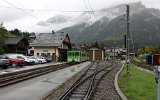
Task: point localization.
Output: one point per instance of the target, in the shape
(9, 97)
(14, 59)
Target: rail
(91, 87)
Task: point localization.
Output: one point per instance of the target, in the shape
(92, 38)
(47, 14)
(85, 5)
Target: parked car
(48, 59)
(21, 56)
(4, 63)
(40, 60)
(35, 61)
(14, 62)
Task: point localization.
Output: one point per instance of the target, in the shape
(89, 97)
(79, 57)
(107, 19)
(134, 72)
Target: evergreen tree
(96, 44)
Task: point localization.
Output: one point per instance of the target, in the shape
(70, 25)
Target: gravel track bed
(106, 89)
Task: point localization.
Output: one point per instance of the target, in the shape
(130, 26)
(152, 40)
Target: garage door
(98, 54)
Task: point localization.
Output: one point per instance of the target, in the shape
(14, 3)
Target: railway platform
(15, 69)
(36, 88)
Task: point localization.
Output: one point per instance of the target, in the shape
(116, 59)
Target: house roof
(13, 40)
(49, 39)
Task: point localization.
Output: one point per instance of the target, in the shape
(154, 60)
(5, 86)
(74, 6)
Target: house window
(37, 54)
(48, 54)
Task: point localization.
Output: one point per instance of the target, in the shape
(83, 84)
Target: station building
(54, 45)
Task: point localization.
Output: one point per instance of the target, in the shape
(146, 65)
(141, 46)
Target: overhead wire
(90, 6)
(25, 10)
(91, 28)
(93, 11)
(86, 4)
(19, 9)
(51, 10)
(45, 10)
(93, 15)
(132, 41)
(88, 12)
(26, 13)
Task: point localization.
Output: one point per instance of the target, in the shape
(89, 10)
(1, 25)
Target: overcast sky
(26, 20)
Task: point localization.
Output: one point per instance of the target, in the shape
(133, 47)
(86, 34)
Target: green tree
(102, 45)
(26, 35)
(3, 33)
(96, 44)
(16, 32)
(146, 50)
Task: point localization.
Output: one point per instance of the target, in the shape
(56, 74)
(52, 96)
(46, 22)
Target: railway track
(14, 77)
(85, 86)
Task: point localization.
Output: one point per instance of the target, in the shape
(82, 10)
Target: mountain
(88, 18)
(58, 19)
(108, 26)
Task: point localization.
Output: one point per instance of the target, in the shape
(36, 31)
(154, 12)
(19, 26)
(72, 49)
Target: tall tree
(102, 45)
(96, 44)
(16, 32)
(3, 33)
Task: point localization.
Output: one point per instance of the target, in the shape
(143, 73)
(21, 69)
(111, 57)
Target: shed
(95, 53)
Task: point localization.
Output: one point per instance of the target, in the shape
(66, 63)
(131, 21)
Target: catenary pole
(127, 40)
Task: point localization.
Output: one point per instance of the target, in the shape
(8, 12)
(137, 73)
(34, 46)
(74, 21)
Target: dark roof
(13, 40)
(49, 39)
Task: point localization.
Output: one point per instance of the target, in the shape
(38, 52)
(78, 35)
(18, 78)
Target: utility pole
(114, 49)
(127, 40)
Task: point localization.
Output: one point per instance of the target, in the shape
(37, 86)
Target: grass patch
(138, 59)
(139, 85)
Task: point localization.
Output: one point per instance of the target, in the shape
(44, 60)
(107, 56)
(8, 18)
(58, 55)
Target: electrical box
(153, 59)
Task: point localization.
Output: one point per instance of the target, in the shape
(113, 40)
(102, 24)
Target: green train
(77, 56)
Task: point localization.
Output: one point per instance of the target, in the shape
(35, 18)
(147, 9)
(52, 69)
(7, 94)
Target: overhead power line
(20, 9)
(45, 10)
(86, 5)
(91, 7)
(26, 13)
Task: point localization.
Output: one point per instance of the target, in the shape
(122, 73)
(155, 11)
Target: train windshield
(70, 53)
